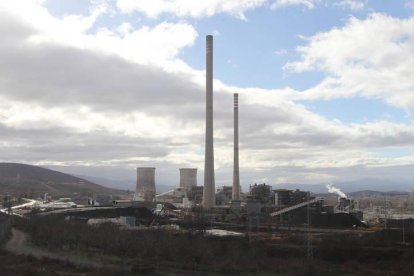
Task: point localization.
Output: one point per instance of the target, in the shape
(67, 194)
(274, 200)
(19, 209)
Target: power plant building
(145, 190)
(187, 194)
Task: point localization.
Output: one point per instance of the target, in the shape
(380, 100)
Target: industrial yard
(190, 250)
(267, 231)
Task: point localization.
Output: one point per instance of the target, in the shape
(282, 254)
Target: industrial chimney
(145, 190)
(209, 185)
(236, 176)
(188, 178)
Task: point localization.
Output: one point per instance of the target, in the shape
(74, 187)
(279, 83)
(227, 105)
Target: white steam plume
(335, 190)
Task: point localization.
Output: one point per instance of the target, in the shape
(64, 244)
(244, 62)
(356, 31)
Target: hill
(126, 184)
(33, 181)
(369, 193)
(368, 184)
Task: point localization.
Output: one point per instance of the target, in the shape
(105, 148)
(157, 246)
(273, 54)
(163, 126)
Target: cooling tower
(236, 176)
(188, 177)
(209, 185)
(145, 184)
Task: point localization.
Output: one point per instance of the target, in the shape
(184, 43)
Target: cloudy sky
(101, 87)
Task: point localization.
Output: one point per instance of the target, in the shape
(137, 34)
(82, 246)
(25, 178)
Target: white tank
(145, 190)
(188, 177)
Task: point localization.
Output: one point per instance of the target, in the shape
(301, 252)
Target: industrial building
(224, 195)
(187, 194)
(261, 193)
(285, 197)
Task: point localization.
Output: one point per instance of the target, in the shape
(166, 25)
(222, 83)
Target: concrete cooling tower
(188, 177)
(145, 190)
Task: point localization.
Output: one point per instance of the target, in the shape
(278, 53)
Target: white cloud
(372, 58)
(205, 8)
(32, 13)
(156, 45)
(148, 45)
(189, 8)
(232, 64)
(409, 4)
(280, 52)
(353, 5)
(216, 32)
(310, 4)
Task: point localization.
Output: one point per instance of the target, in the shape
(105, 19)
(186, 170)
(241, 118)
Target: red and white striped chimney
(236, 175)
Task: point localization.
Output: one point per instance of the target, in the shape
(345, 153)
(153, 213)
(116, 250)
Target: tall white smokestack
(145, 190)
(209, 183)
(236, 176)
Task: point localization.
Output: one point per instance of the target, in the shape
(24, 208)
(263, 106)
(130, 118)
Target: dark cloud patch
(64, 145)
(51, 75)
(61, 76)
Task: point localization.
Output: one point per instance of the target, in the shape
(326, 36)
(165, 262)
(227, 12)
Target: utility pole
(7, 203)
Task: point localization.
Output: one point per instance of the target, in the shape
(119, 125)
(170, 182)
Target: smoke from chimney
(332, 189)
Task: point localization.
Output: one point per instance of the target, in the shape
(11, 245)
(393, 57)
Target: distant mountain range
(368, 193)
(34, 181)
(125, 184)
(371, 186)
(362, 185)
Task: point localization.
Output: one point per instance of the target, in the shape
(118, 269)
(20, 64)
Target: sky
(98, 88)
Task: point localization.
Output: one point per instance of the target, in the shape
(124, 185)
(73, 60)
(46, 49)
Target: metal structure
(188, 177)
(145, 190)
(291, 208)
(209, 182)
(236, 175)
